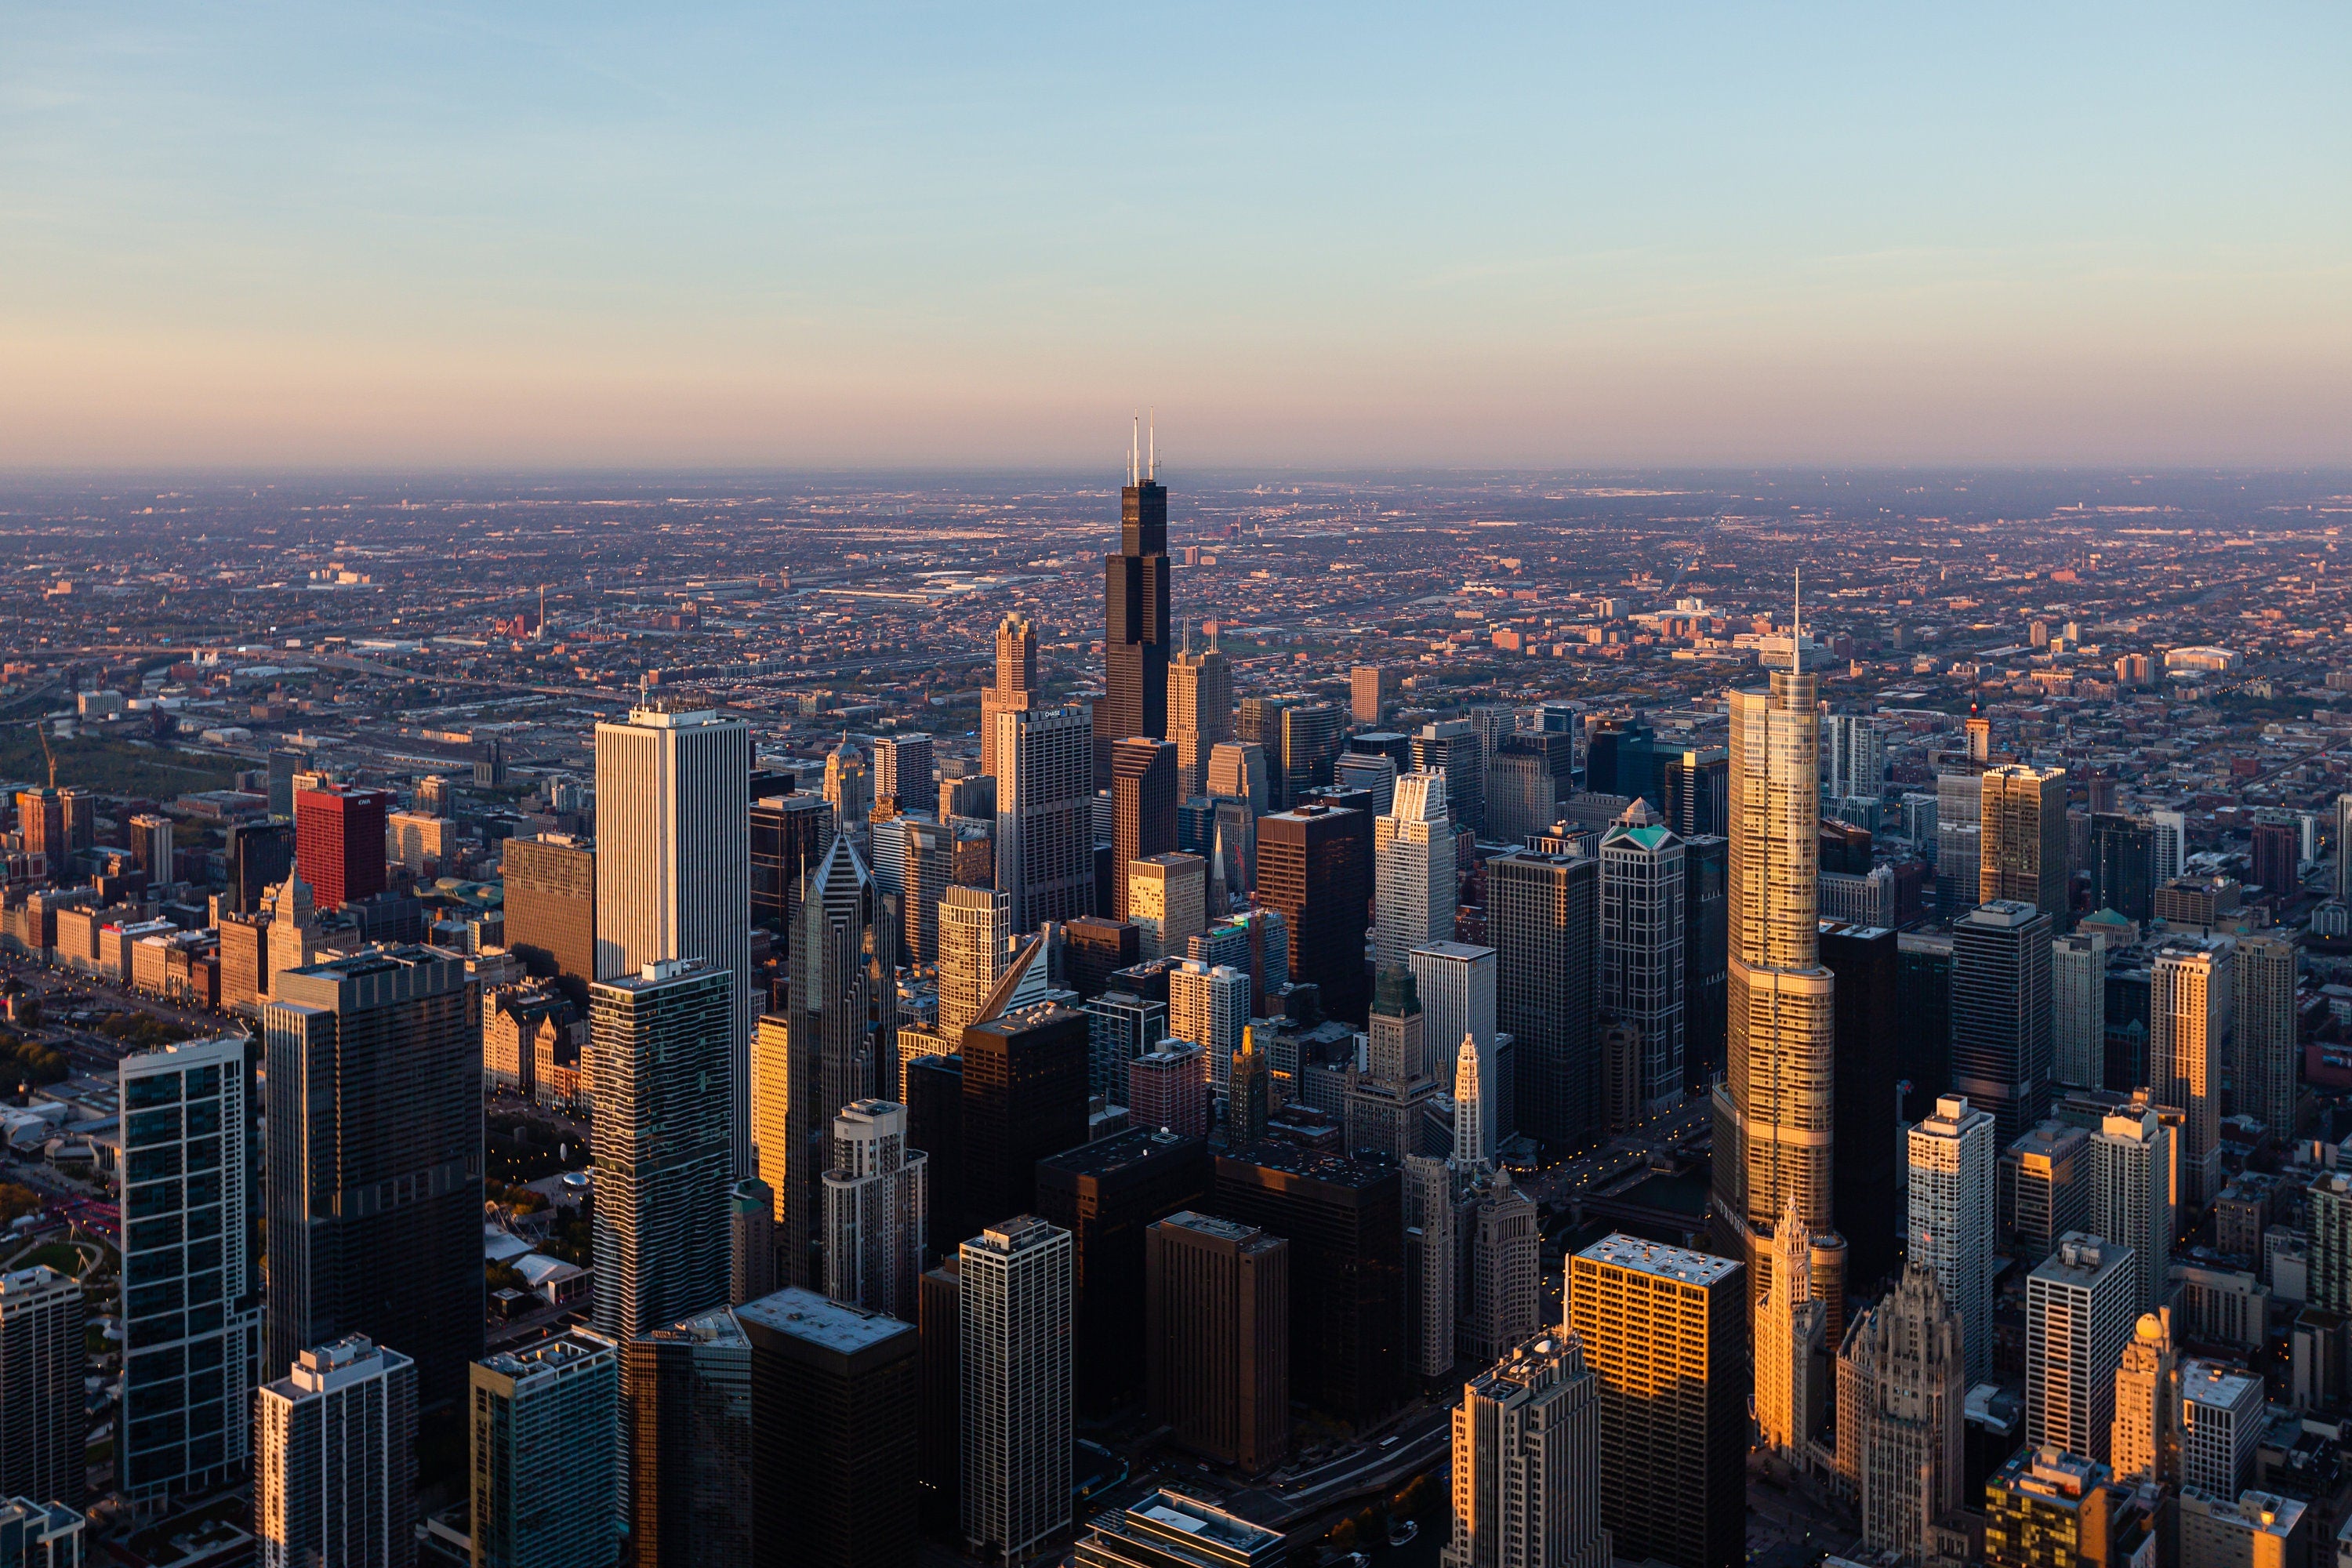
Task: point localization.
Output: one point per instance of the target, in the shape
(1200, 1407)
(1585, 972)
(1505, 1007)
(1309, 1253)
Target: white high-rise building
(2080, 1306)
(975, 928)
(902, 770)
(1951, 1178)
(1505, 1241)
(1853, 751)
(1413, 893)
(2192, 992)
(1209, 1007)
(1526, 1462)
(1044, 813)
(1789, 1328)
(673, 865)
(1474, 1143)
(1376, 773)
(2269, 1053)
(2131, 1196)
(1455, 981)
(2344, 848)
(2171, 844)
(334, 1469)
(1014, 1372)
(2078, 989)
(877, 1204)
(1642, 928)
(657, 1047)
(2222, 1412)
(185, 1112)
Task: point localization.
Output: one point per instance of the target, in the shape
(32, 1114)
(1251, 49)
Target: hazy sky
(525, 234)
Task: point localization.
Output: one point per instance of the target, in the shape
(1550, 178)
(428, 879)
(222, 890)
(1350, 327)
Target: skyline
(807, 240)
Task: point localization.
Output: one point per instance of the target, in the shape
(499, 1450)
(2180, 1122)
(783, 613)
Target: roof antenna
(1153, 472)
(1187, 624)
(1135, 453)
(1796, 627)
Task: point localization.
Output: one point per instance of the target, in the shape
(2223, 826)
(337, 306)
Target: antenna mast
(1153, 472)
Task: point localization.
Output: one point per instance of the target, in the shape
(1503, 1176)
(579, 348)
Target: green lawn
(112, 767)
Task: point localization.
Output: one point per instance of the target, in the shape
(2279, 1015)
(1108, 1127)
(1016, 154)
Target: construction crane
(41, 727)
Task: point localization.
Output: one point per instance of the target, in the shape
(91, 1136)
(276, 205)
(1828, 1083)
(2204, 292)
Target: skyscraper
(339, 842)
(1902, 1387)
(2222, 1413)
(2079, 1312)
(1216, 1335)
(1199, 712)
(673, 865)
(1951, 1217)
(1387, 1106)
(1024, 1097)
(1306, 756)
(789, 834)
(2147, 1402)
(187, 1253)
(550, 908)
(1168, 1088)
(1315, 868)
(902, 770)
(374, 1208)
(2078, 992)
(546, 1438)
(1015, 690)
(2123, 865)
(925, 875)
(1526, 1462)
(1641, 949)
(1453, 748)
(2001, 1011)
(43, 1423)
(975, 925)
(1345, 1223)
(1853, 751)
(1412, 858)
(334, 1472)
(1473, 1125)
(2268, 1047)
(1167, 901)
(1045, 828)
(689, 1432)
(2132, 1161)
(1789, 1329)
(1208, 1006)
(1106, 1194)
(1775, 1112)
(876, 1200)
(1369, 687)
(1238, 771)
(1457, 983)
(1015, 1357)
(1666, 1332)
(1144, 790)
(2023, 839)
(1503, 1305)
(2192, 994)
(1135, 619)
(659, 1043)
(1865, 1188)
(834, 1440)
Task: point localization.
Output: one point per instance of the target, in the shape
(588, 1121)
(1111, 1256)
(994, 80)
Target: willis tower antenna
(1135, 611)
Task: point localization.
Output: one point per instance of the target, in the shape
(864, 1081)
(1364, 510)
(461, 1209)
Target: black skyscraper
(2123, 865)
(1314, 865)
(1142, 808)
(1134, 624)
(1862, 1191)
(1106, 1194)
(1706, 955)
(1024, 1097)
(375, 1161)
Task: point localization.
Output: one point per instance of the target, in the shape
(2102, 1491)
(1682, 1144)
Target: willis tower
(1135, 617)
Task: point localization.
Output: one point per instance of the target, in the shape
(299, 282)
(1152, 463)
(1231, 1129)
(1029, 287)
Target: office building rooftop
(1651, 1257)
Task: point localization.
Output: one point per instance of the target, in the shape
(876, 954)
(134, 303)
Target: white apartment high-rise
(1902, 1392)
(2268, 1052)
(1853, 751)
(2192, 992)
(673, 865)
(1414, 896)
(658, 1054)
(902, 770)
(1014, 1375)
(1044, 813)
(1455, 981)
(43, 1356)
(2078, 991)
(975, 933)
(1773, 1111)
(2222, 1412)
(1642, 931)
(2171, 846)
(2132, 1162)
(1208, 1006)
(334, 1469)
(1526, 1462)
(1950, 1227)
(2147, 1402)
(2080, 1307)
(877, 1205)
(186, 1119)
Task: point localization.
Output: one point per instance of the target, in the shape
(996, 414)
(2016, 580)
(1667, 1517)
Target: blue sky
(531, 234)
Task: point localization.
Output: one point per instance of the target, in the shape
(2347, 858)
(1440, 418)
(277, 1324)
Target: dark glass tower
(1135, 622)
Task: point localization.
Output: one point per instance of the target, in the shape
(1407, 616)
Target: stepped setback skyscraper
(1135, 617)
